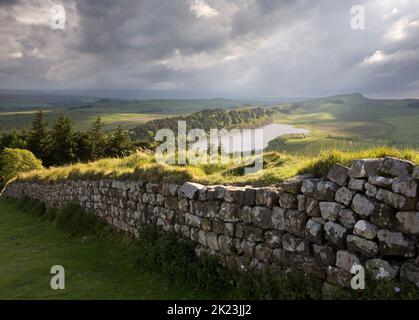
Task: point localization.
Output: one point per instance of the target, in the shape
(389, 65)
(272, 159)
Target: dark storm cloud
(267, 15)
(226, 48)
(8, 2)
(149, 27)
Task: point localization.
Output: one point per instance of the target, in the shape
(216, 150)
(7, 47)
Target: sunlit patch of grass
(321, 164)
(277, 167)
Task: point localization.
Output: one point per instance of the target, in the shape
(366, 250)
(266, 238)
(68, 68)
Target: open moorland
(17, 111)
(344, 122)
(352, 122)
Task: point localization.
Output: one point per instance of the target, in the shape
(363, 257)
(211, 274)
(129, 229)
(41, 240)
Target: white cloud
(400, 57)
(377, 57)
(393, 12)
(402, 28)
(16, 55)
(224, 47)
(203, 10)
(398, 30)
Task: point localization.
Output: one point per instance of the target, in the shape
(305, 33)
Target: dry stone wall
(367, 214)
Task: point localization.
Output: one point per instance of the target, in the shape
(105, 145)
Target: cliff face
(366, 215)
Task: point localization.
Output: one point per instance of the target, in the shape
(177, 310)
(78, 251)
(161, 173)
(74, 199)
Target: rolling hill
(353, 121)
(17, 109)
(346, 121)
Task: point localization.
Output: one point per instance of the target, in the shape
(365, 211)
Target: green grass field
(352, 122)
(82, 119)
(344, 122)
(114, 112)
(95, 268)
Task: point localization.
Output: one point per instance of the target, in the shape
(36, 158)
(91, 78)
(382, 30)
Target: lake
(270, 132)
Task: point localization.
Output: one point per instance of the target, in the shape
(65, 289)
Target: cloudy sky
(223, 48)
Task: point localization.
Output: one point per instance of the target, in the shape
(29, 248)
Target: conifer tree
(119, 143)
(39, 139)
(63, 141)
(97, 138)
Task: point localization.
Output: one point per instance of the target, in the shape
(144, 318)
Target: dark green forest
(59, 143)
(210, 119)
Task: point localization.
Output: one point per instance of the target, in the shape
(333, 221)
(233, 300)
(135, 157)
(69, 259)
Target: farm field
(352, 122)
(18, 112)
(344, 122)
(82, 119)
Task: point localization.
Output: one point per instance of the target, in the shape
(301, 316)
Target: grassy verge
(96, 267)
(277, 167)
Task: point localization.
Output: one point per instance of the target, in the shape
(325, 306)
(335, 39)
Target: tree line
(61, 144)
(210, 119)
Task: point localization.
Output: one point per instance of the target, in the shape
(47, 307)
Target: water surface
(270, 132)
